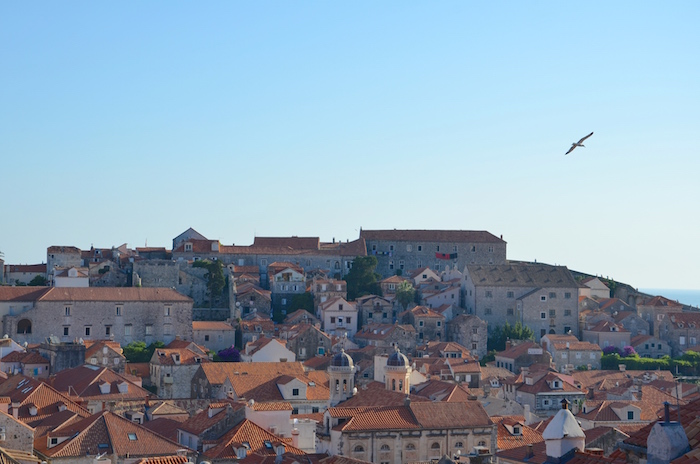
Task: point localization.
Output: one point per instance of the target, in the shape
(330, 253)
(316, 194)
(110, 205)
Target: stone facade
(306, 341)
(429, 325)
(388, 336)
(542, 297)
(469, 331)
(172, 371)
(121, 314)
(63, 256)
(179, 275)
(15, 434)
(648, 346)
(680, 330)
(413, 249)
(375, 309)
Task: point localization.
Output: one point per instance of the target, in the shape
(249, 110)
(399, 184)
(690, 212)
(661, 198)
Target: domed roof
(342, 359)
(397, 359)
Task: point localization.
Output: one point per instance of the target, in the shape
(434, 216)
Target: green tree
(303, 301)
(405, 293)
(499, 335)
(138, 352)
(37, 281)
(362, 278)
(216, 282)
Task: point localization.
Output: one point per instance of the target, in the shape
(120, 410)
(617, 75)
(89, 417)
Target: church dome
(342, 359)
(397, 359)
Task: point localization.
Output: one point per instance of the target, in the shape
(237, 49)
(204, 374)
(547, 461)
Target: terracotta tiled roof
(138, 369)
(211, 325)
(393, 280)
(467, 236)
(508, 439)
(271, 406)
(607, 326)
(375, 394)
(382, 331)
(437, 390)
(164, 460)
(543, 385)
(116, 294)
(576, 346)
(252, 434)
(518, 350)
(662, 302)
(591, 379)
(164, 426)
(31, 268)
(187, 357)
(46, 399)
(423, 311)
(318, 362)
(22, 293)
(685, 320)
(85, 382)
(516, 275)
(209, 417)
(119, 436)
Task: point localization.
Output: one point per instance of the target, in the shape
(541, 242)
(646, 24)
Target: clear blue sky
(132, 121)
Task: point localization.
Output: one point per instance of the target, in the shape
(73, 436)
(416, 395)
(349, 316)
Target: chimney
(295, 437)
(508, 344)
(530, 452)
(407, 401)
(15, 409)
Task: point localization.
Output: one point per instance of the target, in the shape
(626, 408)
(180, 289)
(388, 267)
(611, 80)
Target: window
(65, 331)
(385, 447)
(487, 311)
(420, 247)
(692, 341)
(295, 392)
(127, 330)
(391, 264)
(374, 247)
(475, 330)
(630, 415)
(545, 402)
(459, 444)
(681, 341)
(284, 301)
(67, 310)
(391, 247)
(149, 331)
(206, 337)
(167, 311)
(332, 319)
(438, 248)
(420, 323)
(435, 445)
(510, 294)
(454, 248)
(488, 294)
(567, 295)
(567, 312)
(118, 310)
(490, 249)
(340, 307)
(552, 313)
(132, 437)
(473, 249)
(510, 311)
(420, 335)
(401, 264)
(410, 447)
(188, 247)
(348, 319)
(359, 449)
(592, 355)
(167, 329)
(369, 315)
(482, 443)
(567, 329)
(439, 323)
(543, 297)
(108, 330)
(409, 247)
(263, 262)
(543, 315)
(543, 332)
(552, 295)
(384, 315)
(87, 331)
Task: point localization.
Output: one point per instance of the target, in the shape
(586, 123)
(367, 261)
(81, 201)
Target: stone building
(179, 275)
(15, 434)
(335, 258)
(375, 309)
(568, 352)
(388, 336)
(286, 281)
(401, 250)
(469, 331)
(325, 289)
(648, 346)
(172, 370)
(105, 353)
(339, 317)
(654, 311)
(214, 335)
(522, 355)
(429, 325)
(680, 330)
(121, 314)
(305, 340)
(539, 296)
(606, 334)
(18, 274)
(63, 257)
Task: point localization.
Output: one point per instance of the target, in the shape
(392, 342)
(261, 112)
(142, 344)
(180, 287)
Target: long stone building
(124, 314)
(403, 250)
(540, 296)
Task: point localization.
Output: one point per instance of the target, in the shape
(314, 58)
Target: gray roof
(451, 236)
(521, 275)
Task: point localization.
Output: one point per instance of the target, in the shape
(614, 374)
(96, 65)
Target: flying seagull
(578, 144)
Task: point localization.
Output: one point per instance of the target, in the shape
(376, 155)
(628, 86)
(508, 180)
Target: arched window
(435, 445)
(459, 444)
(24, 326)
(393, 384)
(410, 447)
(551, 331)
(359, 449)
(385, 447)
(337, 264)
(482, 443)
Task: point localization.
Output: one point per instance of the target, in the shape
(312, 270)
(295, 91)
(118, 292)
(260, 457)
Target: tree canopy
(405, 293)
(499, 335)
(37, 281)
(362, 278)
(138, 352)
(303, 301)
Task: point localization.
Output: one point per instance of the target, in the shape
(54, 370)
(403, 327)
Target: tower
(398, 372)
(341, 376)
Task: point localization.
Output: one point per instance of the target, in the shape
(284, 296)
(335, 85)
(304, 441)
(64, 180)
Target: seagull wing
(581, 141)
(571, 149)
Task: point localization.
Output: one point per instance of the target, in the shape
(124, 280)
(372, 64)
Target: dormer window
(188, 247)
(516, 430)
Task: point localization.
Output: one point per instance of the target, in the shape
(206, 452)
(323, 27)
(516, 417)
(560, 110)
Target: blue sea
(687, 297)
